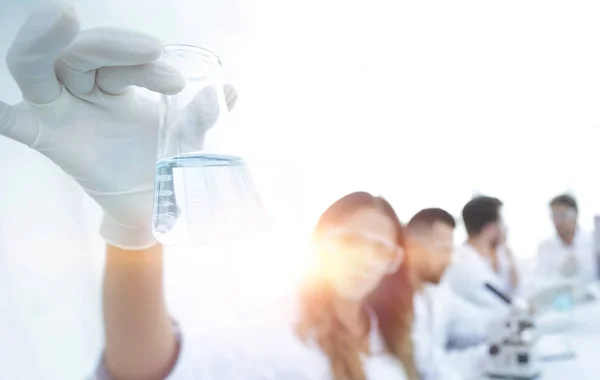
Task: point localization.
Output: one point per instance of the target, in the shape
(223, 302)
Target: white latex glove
(80, 110)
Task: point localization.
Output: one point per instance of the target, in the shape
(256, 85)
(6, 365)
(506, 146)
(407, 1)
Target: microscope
(512, 340)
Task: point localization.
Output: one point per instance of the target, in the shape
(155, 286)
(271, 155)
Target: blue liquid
(202, 199)
(563, 301)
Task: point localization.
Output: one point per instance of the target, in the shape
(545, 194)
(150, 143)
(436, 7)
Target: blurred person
(81, 110)
(480, 260)
(569, 254)
(445, 325)
(354, 312)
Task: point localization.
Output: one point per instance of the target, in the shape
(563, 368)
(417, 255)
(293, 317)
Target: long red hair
(391, 301)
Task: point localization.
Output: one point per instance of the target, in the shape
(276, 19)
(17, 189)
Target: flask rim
(193, 51)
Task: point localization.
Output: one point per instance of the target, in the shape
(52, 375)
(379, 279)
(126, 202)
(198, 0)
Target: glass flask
(202, 195)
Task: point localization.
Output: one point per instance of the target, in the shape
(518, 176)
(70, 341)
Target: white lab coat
(448, 334)
(505, 269)
(469, 272)
(265, 348)
(552, 253)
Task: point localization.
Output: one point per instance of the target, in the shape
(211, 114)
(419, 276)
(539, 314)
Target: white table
(584, 336)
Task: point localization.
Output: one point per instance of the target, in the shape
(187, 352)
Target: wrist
(127, 220)
(125, 237)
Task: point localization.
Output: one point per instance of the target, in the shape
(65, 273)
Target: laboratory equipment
(553, 294)
(512, 352)
(203, 195)
(512, 338)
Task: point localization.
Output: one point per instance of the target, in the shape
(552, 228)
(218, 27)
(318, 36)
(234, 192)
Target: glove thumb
(17, 123)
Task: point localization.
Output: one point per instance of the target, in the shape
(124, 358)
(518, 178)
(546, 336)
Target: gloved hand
(80, 110)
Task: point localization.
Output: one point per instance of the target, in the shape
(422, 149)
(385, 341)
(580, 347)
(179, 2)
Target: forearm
(140, 341)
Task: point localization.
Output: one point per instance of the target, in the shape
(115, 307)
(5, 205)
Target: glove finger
(202, 112)
(155, 76)
(103, 47)
(38, 44)
(190, 126)
(17, 124)
(231, 96)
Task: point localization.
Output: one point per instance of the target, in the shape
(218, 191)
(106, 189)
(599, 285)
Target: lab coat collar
(428, 289)
(376, 342)
(472, 252)
(576, 239)
(482, 259)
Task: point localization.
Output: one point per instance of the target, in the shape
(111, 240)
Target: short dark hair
(427, 217)
(479, 212)
(564, 200)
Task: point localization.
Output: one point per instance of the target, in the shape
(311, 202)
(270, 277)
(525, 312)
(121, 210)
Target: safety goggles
(359, 242)
(563, 216)
(443, 247)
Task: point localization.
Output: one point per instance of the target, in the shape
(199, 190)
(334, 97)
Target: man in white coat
(448, 333)
(568, 255)
(482, 259)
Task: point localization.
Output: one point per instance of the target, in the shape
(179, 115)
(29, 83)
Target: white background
(423, 102)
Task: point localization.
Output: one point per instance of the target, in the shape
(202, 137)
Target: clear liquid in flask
(202, 199)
